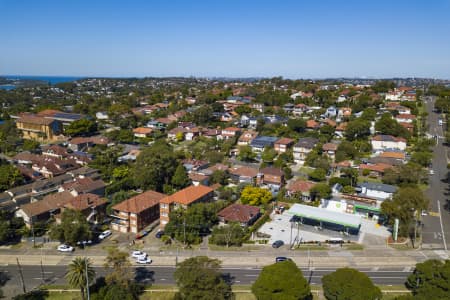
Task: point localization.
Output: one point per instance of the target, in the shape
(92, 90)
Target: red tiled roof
(140, 202)
(300, 186)
(238, 213)
(188, 195)
(84, 201)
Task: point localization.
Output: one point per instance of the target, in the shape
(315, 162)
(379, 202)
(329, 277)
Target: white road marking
(442, 227)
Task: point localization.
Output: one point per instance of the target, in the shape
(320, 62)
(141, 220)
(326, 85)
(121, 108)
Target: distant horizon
(11, 76)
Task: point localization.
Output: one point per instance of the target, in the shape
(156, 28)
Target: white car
(144, 260)
(65, 248)
(138, 254)
(431, 172)
(104, 234)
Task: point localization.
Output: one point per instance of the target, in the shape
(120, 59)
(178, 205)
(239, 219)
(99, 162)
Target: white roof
(322, 214)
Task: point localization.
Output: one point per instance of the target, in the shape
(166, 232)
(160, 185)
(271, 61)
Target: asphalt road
(436, 230)
(164, 275)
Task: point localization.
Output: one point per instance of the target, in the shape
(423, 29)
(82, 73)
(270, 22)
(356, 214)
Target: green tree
(246, 153)
(80, 270)
(318, 174)
(268, 155)
(349, 284)
(321, 191)
(30, 145)
(357, 129)
(422, 158)
(345, 151)
(81, 127)
(118, 266)
(297, 125)
(255, 196)
(282, 280)
(219, 176)
(10, 227)
(228, 235)
(406, 203)
(199, 278)
(430, 280)
(73, 228)
(388, 125)
(180, 178)
(9, 177)
(155, 166)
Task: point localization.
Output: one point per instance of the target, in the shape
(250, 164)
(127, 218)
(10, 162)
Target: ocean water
(50, 79)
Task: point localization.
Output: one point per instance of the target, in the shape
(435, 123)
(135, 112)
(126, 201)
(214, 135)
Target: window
(164, 214)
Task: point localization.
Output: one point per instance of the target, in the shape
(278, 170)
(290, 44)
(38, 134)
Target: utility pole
(87, 278)
(21, 276)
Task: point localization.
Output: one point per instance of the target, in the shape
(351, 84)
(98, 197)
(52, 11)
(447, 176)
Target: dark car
(282, 258)
(159, 234)
(277, 244)
(142, 234)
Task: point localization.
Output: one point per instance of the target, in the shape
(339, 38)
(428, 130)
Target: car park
(277, 244)
(144, 260)
(65, 248)
(104, 234)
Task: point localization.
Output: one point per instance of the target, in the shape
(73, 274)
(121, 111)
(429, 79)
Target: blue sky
(294, 39)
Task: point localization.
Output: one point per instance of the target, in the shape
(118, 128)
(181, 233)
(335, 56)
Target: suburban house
(243, 174)
(330, 149)
(283, 145)
(270, 176)
(245, 215)
(303, 147)
(247, 137)
(230, 132)
(84, 186)
(260, 142)
(136, 213)
(197, 178)
(377, 190)
(38, 128)
(300, 188)
(375, 170)
(405, 118)
(383, 142)
(41, 211)
(176, 133)
(299, 109)
(183, 199)
(93, 207)
(142, 132)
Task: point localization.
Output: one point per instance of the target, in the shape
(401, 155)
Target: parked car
(277, 244)
(159, 234)
(104, 234)
(137, 254)
(282, 258)
(431, 172)
(142, 234)
(84, 243)
(65, 248)
(144, 260)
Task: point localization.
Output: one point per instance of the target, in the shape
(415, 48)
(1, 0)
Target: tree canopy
(255, 196)
(73, 228)
(199, 278)
(282, 280)
(81, 127)
(430, 280)
(349, 284)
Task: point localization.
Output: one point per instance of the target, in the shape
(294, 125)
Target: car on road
(282, 258)
(144, 260)
(159, 234)
(104, 234)
(138, 254)
(277, 244)
(431, 172)
(65, 248)
(84, 243)
(424, 213)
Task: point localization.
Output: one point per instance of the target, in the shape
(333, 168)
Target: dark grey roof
(379, 187)
(263, 141)
(307, 142)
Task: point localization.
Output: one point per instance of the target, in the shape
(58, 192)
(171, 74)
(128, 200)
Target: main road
(436, 230)
(33, 276)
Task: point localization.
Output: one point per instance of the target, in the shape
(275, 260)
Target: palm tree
(76, 275)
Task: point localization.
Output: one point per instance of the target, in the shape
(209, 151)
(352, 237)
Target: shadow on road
(144, 275)
(228, 278)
